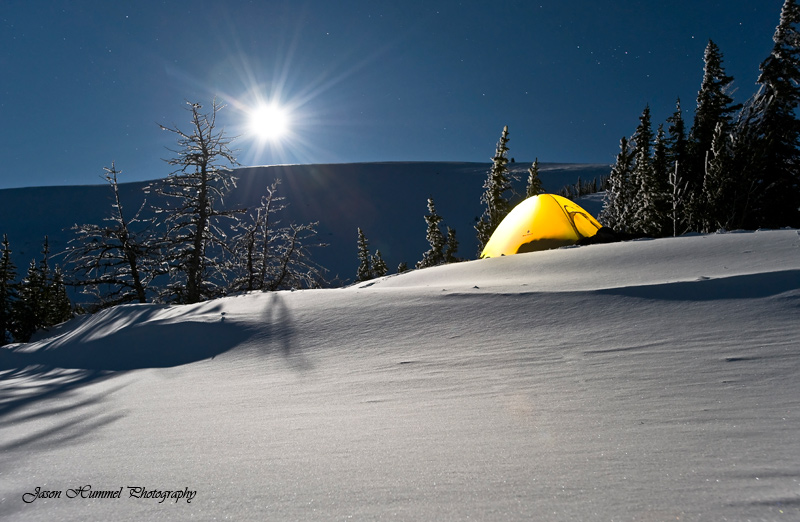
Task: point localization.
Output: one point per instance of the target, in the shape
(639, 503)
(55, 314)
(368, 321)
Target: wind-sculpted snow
(649, 380)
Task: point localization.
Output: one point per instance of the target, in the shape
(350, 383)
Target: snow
(646, 380)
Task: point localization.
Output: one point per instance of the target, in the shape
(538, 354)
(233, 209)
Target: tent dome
(540, 223)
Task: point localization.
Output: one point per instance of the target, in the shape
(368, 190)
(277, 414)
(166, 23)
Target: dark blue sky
(85, 83)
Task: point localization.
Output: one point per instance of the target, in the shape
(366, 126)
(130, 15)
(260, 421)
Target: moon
(269, 122)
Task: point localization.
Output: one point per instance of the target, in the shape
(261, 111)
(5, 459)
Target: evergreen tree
(195, 238)
(364, 272)
(676, 202)
(656, 210)
(402, 267)
(534, 186)
(8, 292)
(59, 308)
(42, 298)
(714, 105)
(641, 201)
(379, 268)
(29, 309)
(435, 255)
(676, 141)
(717, 208)
(451, 247)
(617, 202)
(769, 130)
(494, 196)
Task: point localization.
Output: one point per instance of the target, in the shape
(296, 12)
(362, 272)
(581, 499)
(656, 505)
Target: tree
(435, 255)
(42, 300)
(534, 186)
(718, 207)
(653, 190)
(676, 202)
(364, 272)
(402, 267)
(494, 196)
(8, 292)
(195, 238)
(451, 247)
(617, 201)
(115, 262)
(769, 130)
(292, 266)
(714, 106)
(676, 141)
(379, 268)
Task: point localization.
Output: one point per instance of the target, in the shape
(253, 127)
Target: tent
(540, 223)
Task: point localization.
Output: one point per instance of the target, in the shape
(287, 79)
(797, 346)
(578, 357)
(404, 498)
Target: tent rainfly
(540, 223)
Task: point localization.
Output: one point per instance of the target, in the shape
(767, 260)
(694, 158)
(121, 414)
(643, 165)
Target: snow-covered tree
(534, 185)
(364, 271)
(617, 203)
(676, 142)
(42, 299)
(435, 254)
(714, 105)
(676, 202)
(193, 193)
(451, 247)
(494, 197)
(768, 132)
(266, 256)
(379, 268)
(8, 292)
(115, 262)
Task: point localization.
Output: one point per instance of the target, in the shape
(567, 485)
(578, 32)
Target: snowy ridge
(647, 380)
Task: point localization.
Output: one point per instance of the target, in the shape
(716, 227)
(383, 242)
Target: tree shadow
(279, 330)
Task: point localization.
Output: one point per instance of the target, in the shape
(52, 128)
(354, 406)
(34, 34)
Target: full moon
(269, 122)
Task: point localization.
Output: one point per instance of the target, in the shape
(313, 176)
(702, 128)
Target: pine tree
(769, 130)
(193, 192)
(494, 196)
(534, 186)
(451, 247)
(718, 208)
(33, 309)
(435, 255)
(657, 209)
(379, 268)
(364, 272)
(59, 308)
(8, 292)
(676, 141)
(714, 105)
(617, 201)
(676, 201)
(641, 198)
(402, 267)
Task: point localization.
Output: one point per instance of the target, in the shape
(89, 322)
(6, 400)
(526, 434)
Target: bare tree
(195, 238)
(115, 262)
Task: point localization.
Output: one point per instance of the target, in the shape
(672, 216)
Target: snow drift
(647, 380)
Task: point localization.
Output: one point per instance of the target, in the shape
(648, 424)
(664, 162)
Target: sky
(87, 83)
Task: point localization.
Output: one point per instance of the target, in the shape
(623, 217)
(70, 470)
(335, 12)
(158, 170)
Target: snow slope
(647, 380)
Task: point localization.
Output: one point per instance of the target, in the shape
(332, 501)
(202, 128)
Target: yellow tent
(540, 223)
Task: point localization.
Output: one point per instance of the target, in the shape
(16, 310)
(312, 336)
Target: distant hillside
(387, 200)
